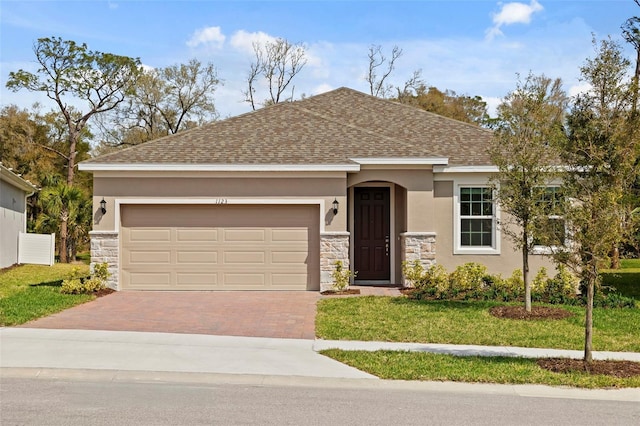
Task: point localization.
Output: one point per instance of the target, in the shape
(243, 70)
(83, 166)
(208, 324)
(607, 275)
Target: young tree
(71, 72)
(529, 124)
(601, 153)
(276, 63)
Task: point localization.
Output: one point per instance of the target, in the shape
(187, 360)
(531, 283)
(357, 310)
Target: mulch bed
(620, 369)
(537, 313)
(103, 292)
(341, 293)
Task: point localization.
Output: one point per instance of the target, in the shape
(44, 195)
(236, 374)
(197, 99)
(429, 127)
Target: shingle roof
(330, 128)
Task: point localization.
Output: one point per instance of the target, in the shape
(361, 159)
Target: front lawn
(398, 365)
(28, 292)
(625, 280)
(399, 319)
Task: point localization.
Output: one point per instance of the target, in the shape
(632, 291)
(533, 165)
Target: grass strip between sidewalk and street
(399, 319)
(402, 365)
(28, 292)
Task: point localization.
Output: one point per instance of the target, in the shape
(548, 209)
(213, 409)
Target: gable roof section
(329, 129)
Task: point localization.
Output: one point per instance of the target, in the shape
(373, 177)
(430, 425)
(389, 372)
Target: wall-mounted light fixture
(335, 206)
(103, 206)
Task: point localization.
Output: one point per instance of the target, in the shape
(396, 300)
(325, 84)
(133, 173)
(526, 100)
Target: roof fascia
(10, 177)
(409, 161)
(93, 167)
(465, 169)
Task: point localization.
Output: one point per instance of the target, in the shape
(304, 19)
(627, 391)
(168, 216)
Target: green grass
(625, 280)
(398, 319)
(28, 292)
(400, 365)
(630, 263)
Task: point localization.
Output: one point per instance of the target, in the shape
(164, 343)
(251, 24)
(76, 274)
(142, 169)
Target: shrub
(433, 281)
(341, 276)
(78, 285)
(467, 278)
(561, 289)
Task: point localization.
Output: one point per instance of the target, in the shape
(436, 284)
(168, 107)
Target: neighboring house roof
(15, 180)
(328, 129)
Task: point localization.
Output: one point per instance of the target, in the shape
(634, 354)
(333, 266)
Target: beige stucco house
(271, 199)
(13, 213)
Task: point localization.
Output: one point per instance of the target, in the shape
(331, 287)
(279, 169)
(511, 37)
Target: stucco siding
(504, 263)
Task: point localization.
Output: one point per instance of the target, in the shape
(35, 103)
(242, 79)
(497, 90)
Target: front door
(371, 233)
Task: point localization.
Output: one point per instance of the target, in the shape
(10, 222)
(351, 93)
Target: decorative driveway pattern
(279, 314)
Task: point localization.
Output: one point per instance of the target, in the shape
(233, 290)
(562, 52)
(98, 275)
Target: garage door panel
(193, 235)
(150, 280)
(203, 280)
(244, 257)
(245, 235)
(288, 235)
(138, 257)
(197, 257)
(150, 235)
(288, 257)
(244, 279)
(220, 247)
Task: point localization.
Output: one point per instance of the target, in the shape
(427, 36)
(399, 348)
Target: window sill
(477, 250)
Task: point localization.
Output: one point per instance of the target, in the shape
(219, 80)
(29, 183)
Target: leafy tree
(71, 72)
(469, 109)
(529, 125)
(276, 64)
(163, 102)
(601, 154)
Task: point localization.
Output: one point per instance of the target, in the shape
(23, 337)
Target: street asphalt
(115, 355)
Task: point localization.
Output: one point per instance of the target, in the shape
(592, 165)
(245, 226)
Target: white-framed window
(476, 219)
(555, 234)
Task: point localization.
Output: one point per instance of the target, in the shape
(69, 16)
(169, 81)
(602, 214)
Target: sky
(476, 48)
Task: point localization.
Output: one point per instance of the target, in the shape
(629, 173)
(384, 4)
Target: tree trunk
(525, 278)
(588, 324)
(63, 240)
(71, 161)
(615, 258)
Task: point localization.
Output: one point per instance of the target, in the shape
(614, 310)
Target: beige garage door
(220, 247)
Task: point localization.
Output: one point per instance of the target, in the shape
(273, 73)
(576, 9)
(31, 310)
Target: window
(554, 234)
(476, 221)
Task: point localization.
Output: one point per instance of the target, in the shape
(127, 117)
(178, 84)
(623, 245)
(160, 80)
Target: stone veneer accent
(418, 246)
(105, 248)
(333, 246)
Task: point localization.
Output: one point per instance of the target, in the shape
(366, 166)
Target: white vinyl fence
(36, 248)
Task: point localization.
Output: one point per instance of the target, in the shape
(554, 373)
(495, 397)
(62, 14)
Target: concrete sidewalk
(197, 358)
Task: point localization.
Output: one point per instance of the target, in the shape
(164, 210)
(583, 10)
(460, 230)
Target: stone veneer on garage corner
(418, 246)
(333, 246)
(105, 248)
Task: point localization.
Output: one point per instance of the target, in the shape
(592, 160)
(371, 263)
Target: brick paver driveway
(287, 314)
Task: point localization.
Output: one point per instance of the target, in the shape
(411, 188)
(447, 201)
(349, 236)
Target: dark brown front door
(371, 236)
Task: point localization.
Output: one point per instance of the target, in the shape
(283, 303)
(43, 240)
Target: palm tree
(62, 207)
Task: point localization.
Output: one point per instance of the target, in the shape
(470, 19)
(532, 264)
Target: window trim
(458, 248)
(548, 250)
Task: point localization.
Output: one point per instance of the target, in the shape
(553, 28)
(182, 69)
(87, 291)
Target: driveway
(281, 314)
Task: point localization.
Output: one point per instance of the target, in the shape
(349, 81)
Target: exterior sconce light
(335, 206)
(103, 206)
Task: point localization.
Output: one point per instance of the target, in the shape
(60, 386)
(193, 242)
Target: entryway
(371, 237)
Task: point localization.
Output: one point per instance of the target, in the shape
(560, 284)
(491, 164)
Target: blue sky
(471, 47)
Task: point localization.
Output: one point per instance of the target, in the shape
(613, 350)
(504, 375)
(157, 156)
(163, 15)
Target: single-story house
(272, 198)
(14, 192)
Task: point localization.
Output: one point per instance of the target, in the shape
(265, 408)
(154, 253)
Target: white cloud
(243, 40)
(322, 89)
(580, 88)
(112, 5)
(513, 13)
(210, 37)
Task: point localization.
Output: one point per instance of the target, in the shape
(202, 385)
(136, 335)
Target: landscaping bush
(561, 289)
(341, 276)
(76, 284)
(466, 278)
